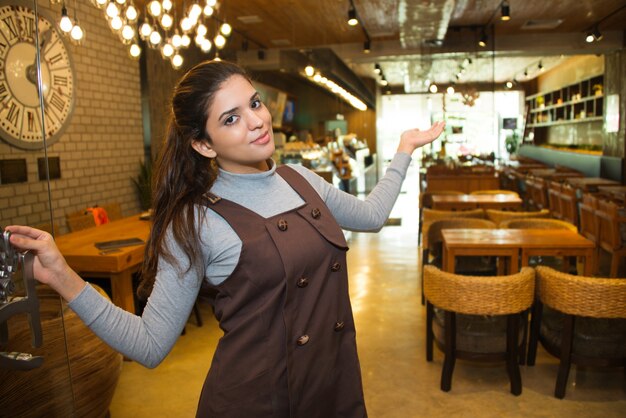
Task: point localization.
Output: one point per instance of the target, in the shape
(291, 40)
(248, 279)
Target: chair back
(592, 297)
(77, 221)
(538, 224)
(480, 295)
(554, 201)
(499, 216)
(537, 192)
(568, 203)
(589, 226)
(434, 231)
(431, 215)
(608, 219)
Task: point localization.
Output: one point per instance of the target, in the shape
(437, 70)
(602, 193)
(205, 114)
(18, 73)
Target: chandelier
(161, 28)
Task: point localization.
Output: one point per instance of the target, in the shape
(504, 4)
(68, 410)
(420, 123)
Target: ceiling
(420, 41)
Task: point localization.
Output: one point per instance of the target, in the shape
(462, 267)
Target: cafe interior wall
(100, 150)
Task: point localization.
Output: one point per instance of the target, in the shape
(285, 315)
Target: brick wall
(101, 149)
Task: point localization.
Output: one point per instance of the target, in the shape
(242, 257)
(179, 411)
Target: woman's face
(240, 128)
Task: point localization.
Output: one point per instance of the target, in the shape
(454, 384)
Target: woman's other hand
(414, 138)
(49, 266)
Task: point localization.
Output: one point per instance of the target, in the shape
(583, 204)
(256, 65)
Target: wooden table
(618, 192)
(517, 244)
(83, 257)
(484, 201)
(590, 184)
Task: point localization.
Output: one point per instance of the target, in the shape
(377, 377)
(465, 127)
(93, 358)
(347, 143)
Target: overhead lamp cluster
(505, 16)
(314, 75)
(70, 27)
(379, 72)
(161, 29)
(353, 20)
(593, 34)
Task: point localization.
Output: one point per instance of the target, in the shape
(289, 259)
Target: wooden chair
(610, 237)
(583, 322)
(77, 221)
(114, 211)
(568, 204)
(431, 215)
(537, 193)
(495, 191)
(499, 216)
(474, 309)
(426, 201)
(554, 201)
(589, 225)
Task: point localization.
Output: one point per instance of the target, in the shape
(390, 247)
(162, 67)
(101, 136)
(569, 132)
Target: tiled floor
(398, 382)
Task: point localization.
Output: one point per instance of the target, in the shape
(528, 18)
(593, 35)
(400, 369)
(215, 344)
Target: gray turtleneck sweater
(149, 338)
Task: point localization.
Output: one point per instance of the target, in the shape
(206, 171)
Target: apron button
(335, 267)
(303, 340)
(303, 282)
(315, 213)
(282, 224)
(339, 325)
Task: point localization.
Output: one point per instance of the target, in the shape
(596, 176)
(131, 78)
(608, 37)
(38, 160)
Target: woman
(266, 239)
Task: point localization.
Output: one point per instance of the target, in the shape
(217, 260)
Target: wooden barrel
(78, 382)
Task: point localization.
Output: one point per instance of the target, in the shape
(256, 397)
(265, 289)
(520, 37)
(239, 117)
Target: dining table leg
(122, 290)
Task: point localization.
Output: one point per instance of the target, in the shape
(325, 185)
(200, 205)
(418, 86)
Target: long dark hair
(182, 175)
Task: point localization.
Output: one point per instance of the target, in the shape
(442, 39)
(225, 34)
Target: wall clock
(20, 114)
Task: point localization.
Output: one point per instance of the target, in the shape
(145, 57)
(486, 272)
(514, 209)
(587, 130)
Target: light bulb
(450, 90)
(166, 21)
(198, 39)
(226, 29)
(195, 10)
(211, 3)
(309, 71)
(201, 30)
(120, 2)
(185, 40)
(186, 24)
(131, 13)
(219, 41)
(116, 23)
(145, 30)
(177, 40)
(155, 37)
(217, 58)
(128, 32)
(433, 88)
(101, 3)
(177, 61)
(154, 8)
(112, 9)
(66, 24)
(166, 5)
(135, 50)
(167, 50)
(77, 32)
(206, 45)
(208, 10)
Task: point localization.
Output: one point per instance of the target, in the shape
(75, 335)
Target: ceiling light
(377, 68)
(450, 90)
(505, 11)
(589, 37)
(366, 47)
(77, 32)
(226, 29)
(309, 71)
(66, 23)
(433, 88)
(483, 39)
(131, 13)
(134, 50)
(154, 8)
(177, 61)
(352, 20)
(509, 84)
(597, 36)
(112, 9)
(219, 41)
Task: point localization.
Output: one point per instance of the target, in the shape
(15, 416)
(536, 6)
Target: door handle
(10, 262)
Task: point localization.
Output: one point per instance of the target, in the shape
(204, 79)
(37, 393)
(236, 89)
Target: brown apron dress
(289, 347)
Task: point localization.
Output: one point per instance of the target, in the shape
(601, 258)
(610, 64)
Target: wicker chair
(430, 215)
(499, 216)
(583, 322)
(495, 191)
(426, 201)
(474, 325)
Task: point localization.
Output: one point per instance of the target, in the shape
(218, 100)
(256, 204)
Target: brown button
(339, 325)
(335, 267)
(315, 213)
(303, 282)
(282, 224)
(303, 340)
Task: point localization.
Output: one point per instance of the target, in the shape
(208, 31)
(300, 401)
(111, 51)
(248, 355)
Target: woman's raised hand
(49, 266)
(414, 138)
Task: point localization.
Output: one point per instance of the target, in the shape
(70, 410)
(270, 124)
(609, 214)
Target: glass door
(35, 369)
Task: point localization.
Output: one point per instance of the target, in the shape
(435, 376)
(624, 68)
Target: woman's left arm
(370, 214)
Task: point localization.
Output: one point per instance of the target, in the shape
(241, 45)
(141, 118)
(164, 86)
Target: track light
(433, 88)
(352, 20)
(366, 46)
(540, 66)
(505, 11)
(509, 84)
(597, 36)
(377, 68)
(483, 40)
(589, 37)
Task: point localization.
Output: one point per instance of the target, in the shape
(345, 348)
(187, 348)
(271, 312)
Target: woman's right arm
(146, 339)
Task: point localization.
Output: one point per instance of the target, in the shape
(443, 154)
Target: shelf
(565, 122)
(572, 102)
